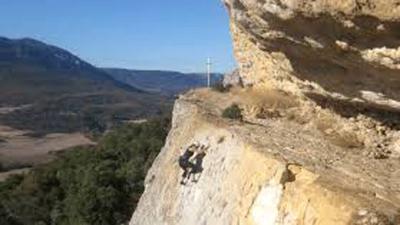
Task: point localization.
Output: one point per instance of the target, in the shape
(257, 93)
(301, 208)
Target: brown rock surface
(329, 47)
(275, 170)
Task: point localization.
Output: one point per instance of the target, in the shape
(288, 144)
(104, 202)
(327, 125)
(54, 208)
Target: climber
(198, 162)
(185, 164)
(197, 166)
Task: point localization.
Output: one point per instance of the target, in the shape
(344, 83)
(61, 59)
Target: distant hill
(64, 92)
(30, 69)
(162, 82)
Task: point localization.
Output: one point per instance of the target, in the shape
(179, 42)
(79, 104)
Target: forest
(86, 185)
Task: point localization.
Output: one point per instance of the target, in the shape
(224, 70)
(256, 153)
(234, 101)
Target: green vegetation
(91, 113)
(88, 185)
(233, 112)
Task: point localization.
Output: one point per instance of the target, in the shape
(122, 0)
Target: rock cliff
(319, 142)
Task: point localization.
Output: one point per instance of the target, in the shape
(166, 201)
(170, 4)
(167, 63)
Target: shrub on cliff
(233, 112)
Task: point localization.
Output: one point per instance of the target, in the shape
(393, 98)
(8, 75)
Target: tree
(86, 185)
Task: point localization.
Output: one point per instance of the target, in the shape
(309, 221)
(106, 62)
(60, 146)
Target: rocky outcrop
(335, 47)
(232, 79)
(273, 170)
(319, 140)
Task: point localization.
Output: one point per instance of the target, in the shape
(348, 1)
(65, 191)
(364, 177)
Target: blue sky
(140, 34)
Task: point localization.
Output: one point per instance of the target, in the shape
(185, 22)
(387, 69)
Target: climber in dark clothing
(197, 166)
(185, 164)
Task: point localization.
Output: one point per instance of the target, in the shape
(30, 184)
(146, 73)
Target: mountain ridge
(162, 82)
(37, 53)
(64, 91)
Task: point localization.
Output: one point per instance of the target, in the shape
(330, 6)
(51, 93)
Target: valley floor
(19, 151)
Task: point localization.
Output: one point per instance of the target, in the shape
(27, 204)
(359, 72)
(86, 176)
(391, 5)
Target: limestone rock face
(232, 79)
(329, 47)
(319, 142)
(277, 172)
